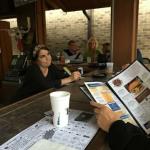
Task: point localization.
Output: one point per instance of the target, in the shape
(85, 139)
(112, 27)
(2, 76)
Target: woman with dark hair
(42, 74)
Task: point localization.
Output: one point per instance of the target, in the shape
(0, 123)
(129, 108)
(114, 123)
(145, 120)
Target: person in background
(104, 56)
(121, 135)
(92, 50)
(106, 50)
(139, 55)
(73, 52)
(43, 74)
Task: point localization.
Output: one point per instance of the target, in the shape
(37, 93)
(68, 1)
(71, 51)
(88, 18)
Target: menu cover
(127, 93)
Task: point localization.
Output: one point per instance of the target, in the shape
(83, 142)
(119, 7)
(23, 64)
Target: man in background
(105, 56)
(139, 55)
(73, 52)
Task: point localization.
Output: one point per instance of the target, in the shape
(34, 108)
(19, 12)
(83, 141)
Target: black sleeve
(125, 136)
(55, 76)
(59, 74)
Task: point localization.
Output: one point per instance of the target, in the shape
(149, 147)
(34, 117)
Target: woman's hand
(105, 116)
(75, 76)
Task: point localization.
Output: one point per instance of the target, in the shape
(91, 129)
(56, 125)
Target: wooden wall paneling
(6, 48)
(1, 62)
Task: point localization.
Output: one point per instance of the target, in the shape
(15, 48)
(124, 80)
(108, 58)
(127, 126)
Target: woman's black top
(34, 81)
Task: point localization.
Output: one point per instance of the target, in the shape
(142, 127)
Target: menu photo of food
(137, 88)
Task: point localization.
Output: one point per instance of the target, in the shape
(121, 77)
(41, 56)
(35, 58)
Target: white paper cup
(110, 67)
(60, 106)
(67, 61)
(88, 59)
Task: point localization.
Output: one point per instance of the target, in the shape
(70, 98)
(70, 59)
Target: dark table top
(18, 116)
(87, 67)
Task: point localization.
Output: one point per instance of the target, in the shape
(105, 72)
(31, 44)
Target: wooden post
(90, 23)
(40, 22)
(5, 48)
(124, 31)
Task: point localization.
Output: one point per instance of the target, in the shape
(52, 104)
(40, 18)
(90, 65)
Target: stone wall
(102, 25)
(62, 27)
(143, 38)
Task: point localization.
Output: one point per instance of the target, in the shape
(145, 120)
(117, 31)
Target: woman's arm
(61, 78)
(74, 77)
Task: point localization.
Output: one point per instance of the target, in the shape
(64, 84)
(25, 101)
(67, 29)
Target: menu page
(103, 95)
(133, 87)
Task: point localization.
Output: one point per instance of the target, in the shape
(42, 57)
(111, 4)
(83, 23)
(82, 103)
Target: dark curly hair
(37, 50)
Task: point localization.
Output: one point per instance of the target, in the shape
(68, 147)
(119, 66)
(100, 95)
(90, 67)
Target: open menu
(127, 93)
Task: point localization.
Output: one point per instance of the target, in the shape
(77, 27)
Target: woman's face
(44, 58)
(92, 44)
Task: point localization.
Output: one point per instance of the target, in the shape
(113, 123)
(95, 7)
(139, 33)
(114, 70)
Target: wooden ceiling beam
(56, 4)
(75, 5)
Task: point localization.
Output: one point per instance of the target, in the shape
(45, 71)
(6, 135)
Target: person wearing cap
(121, 135)
(43, 74)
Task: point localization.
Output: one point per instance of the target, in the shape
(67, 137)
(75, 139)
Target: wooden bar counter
(20, 115)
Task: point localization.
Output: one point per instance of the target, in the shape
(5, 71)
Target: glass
(58, 57)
